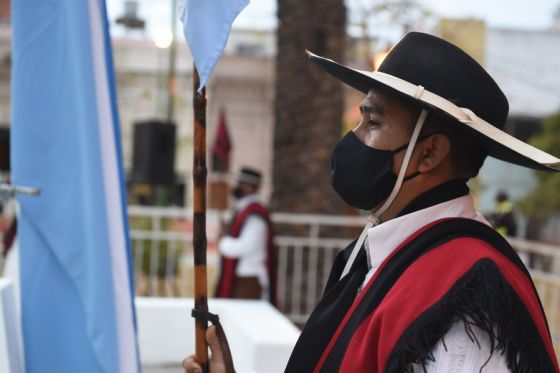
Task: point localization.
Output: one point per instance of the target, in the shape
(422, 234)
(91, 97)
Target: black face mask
(361, 175)
(237, 193)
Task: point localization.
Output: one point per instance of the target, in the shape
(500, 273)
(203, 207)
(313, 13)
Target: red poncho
(450, 270)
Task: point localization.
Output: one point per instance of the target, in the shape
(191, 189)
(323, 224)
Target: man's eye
(372, 123)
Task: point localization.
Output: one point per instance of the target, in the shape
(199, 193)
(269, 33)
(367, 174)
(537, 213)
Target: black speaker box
(153, 158)
(4, 149)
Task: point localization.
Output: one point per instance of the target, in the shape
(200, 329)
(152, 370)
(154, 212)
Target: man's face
(387, 122)
(245, 188)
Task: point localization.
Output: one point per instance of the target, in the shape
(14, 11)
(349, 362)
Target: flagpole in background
(199, 219)
(171, 84)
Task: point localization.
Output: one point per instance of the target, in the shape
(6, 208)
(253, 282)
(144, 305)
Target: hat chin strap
(404, 166)
(374, 217)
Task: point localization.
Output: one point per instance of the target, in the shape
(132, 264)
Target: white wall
(261, 338)
(11, 356)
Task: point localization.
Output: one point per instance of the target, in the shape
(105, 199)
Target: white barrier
(11, 356)
(261, 338)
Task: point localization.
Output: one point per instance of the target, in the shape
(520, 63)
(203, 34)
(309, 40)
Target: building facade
(524, 63)
(241, 85)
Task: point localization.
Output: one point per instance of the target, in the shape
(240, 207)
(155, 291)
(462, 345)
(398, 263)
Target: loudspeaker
(153, 158)
(4, 149)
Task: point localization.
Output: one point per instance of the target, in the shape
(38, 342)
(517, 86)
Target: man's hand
(216, 360)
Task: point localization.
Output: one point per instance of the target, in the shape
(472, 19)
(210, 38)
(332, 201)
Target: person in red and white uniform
(428, 286)
(247, 258)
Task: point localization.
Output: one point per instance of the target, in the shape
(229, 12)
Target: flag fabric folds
(77, 296)
(222, 146)
(206, 25)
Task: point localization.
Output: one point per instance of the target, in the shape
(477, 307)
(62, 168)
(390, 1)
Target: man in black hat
(246, 266)
(428, 285)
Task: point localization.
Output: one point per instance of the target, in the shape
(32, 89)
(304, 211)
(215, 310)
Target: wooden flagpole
(199, 219)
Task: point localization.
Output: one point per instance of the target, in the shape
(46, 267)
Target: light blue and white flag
(206, 24)
(77, 296)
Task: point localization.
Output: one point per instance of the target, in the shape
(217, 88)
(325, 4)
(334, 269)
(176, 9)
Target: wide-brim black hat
(442, 78)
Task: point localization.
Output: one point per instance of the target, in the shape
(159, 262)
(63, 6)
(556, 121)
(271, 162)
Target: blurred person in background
(10, 251)
(247, 269)
(503, 216)
(428, 286)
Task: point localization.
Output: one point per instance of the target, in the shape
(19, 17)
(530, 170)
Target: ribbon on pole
(206, 25)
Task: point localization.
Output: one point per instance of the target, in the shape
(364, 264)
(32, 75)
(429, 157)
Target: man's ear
(434, 151)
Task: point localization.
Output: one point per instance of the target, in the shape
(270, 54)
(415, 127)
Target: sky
(525, 14)
(519, 14)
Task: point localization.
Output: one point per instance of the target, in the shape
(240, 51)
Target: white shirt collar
(384, 238)
(246, 201)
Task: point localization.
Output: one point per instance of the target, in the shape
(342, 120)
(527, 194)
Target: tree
(544, 200)
(399, 14)
(308, 105)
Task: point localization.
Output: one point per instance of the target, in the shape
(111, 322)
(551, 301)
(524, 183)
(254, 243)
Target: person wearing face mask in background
(247, 270)
(428, 286)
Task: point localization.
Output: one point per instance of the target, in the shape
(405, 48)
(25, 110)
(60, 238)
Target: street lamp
(130, 19)
(163, 37)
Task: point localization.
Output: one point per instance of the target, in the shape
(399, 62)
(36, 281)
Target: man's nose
(361, 132)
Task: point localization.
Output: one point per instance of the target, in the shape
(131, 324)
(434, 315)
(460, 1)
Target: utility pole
(171, 84)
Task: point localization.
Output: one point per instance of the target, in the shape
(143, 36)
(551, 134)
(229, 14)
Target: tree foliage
(544, 199)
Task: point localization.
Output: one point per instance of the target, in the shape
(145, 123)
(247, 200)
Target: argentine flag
(76, 287)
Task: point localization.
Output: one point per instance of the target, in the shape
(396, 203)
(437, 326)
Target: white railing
(159, 246)
(543, 262)
(163, 257)
(304, 260)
